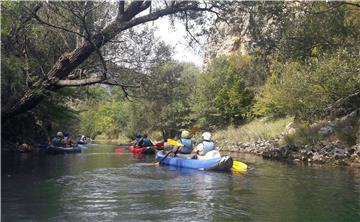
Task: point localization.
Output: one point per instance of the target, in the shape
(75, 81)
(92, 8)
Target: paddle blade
(174, 142)
(239, 166)
(119, 150)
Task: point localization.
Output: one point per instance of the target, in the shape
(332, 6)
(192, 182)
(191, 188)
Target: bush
(305, 90)
(221, 96)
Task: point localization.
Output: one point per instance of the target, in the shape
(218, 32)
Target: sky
(176, 38)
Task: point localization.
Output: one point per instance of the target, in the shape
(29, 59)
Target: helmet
(138, 135)
(59, 134)
(206, 136)
(185, 134)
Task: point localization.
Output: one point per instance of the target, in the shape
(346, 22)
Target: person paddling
(59, 140)
(206, 146)
(186, 140)
(138, 138)
(145, 141)
(68, 139)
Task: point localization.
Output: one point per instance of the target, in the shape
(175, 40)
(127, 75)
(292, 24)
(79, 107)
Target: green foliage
(221, 96)
(305, 90)
(170, 86)
(302, 57)
(311, 29)
(164, 104)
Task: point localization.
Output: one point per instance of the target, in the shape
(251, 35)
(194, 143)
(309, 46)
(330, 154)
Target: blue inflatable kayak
(62, 150)
(219, 164)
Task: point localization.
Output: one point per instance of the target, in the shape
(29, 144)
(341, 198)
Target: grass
(119, 138)
(347, 131)
(256, 130)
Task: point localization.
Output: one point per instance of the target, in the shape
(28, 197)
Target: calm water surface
(101, 185)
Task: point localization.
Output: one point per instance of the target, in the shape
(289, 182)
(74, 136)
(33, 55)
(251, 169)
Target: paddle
(194, 129)
(239, 166)
(174, 143)
(119, 150)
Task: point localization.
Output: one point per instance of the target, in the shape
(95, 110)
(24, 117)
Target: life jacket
(188, 144)
(69, 141)
(208, 146)
(146, 142)
(58, 142)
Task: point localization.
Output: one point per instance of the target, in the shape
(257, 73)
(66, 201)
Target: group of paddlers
(189, 146)
(65, 140)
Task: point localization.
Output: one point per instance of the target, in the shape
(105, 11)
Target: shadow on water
(103, 185)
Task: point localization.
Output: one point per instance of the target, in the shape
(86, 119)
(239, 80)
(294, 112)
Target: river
(102, 185)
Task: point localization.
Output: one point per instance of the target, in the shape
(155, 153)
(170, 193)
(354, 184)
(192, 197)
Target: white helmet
(206, 136)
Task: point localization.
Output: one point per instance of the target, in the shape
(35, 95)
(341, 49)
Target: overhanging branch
(93, 80)
(80, 82)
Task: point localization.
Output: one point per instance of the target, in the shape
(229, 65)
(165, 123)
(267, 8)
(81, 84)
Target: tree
(305, 52)
(163, 103)
(170, 87)
(221, 96)
(84, 27)
(306, 90)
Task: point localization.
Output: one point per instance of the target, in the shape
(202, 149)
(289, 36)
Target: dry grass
(119, 138)
(347, 131)
(256, 130)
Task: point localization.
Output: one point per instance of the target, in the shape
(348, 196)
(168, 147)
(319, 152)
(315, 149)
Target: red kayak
(144, 150)
(159, 146)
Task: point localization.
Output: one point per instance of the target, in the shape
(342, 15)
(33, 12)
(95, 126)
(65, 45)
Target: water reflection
(102, 185)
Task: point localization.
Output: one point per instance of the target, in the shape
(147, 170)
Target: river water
(101, 185)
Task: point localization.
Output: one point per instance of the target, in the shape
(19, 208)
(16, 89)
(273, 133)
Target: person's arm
(199, 149)
(140, 143)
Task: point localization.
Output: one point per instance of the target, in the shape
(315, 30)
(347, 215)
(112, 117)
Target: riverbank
(334, 142)
(330, 153)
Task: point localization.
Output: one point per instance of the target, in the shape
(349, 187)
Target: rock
(317, 158)
(290, 129)
(325, 131)
(339, 154)
(25, 148)
(355, 165)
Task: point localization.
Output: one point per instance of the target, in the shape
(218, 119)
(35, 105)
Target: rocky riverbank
(325, 139)
(331, 153)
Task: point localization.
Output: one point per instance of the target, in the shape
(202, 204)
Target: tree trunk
(69, 61)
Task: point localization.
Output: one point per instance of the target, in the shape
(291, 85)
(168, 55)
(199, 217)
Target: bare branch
(160, 13)
(188, 30)
(121, 8)
(352, 4)
(69, 61)
(93, 80)
(34, 13)
(80, 82)
(145, 5)
(95, 46)
(132, 10)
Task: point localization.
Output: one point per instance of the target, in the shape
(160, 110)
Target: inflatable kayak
(159, 146)
(144, 150)
(62, 150)
(82, 142)
(219, 163)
